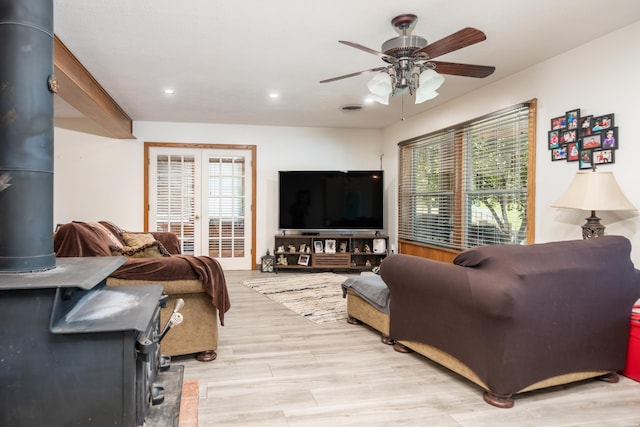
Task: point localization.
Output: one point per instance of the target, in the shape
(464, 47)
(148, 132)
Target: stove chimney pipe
(26, 136)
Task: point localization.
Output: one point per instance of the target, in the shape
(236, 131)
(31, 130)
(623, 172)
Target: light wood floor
(276, 368)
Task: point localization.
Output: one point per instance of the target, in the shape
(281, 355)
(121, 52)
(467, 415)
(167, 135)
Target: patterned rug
(316, 296)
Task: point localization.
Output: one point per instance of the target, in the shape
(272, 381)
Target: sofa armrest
(414, 282)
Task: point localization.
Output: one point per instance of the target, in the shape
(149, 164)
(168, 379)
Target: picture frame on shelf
(303, 259)
(586, 159)
(330, 246)
(343, 247)
(559, 153)
(603, 157)
(591, 141)
(317, 246)
(572, 118)
(558, 123)
(554, 139)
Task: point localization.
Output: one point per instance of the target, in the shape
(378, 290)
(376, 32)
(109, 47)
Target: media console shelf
(329, 251)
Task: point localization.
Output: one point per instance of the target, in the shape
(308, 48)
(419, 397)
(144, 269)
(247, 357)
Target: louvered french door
(204, 197)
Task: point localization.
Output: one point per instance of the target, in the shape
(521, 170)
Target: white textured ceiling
(224, 57)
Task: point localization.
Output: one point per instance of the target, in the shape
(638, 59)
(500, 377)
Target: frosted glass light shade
(430, 80)
(384, 100)
(423, 95)
(380, 84)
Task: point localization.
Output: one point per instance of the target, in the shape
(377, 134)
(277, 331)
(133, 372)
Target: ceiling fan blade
(463, 38)
(466, 70)
(353, 74)
(368, 50)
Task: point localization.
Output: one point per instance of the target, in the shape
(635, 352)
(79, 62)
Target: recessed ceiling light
(274, 95)
(169, 91)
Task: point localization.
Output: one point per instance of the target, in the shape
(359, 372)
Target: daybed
(155, 258)
(512, 318)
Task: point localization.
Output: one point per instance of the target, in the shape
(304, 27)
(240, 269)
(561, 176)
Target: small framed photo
(554, 139)
(559, 153)
(330, 246)
(585, 125)
(602, 122)
(558, 123)
(592, 141)
(602, 157)
(573, 118)
(610, 139)
(586, 157)
(572, 152)
(569, 135)
(303, 259)
(317, 246)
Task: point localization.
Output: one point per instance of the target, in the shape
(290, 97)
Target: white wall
(101, 178)
(599, 78)
(98, 178)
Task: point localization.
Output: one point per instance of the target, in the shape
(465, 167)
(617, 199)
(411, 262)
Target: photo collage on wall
(589, 140)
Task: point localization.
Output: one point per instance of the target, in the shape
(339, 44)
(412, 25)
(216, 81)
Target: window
(469, 185)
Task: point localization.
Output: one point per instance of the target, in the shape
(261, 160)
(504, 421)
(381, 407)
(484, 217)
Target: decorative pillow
(140, 245)
(137, 239)
(149, 250)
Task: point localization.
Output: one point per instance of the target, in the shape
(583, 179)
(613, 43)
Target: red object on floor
(632, 370)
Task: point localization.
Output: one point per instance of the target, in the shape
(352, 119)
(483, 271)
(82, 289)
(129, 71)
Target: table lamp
(592, 191)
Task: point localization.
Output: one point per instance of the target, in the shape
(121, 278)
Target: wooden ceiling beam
(80, 90)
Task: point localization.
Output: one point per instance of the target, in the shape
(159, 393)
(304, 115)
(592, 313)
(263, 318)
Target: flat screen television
(331, 200)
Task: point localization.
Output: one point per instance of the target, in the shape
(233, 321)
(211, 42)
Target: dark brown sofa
(155, 258)
(513, 318)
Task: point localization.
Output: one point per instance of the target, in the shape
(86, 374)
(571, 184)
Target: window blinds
(467, 185)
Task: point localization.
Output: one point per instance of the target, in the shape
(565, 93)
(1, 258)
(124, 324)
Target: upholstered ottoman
(368, 302)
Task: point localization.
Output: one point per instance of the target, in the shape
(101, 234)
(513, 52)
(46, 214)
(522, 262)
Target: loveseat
(155, 258)
(512, 318)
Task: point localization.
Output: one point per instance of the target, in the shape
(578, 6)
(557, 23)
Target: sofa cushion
(149, 250)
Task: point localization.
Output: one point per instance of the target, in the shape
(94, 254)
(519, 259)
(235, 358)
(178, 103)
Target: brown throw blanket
(78, 239)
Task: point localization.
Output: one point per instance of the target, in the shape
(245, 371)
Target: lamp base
(592, 228)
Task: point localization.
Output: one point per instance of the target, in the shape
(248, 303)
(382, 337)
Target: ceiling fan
(410, 62)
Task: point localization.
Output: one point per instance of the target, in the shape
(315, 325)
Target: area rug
(315, 296)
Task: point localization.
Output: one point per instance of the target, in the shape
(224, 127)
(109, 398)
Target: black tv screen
(331, 200)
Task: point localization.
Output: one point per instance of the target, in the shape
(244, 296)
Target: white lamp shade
(594, 191)
(380, 84)
(423, 95)
(430, 80)
(380, 99)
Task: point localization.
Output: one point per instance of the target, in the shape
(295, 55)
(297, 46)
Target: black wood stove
(74, 352)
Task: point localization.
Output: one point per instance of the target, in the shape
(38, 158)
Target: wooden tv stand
(329, 251)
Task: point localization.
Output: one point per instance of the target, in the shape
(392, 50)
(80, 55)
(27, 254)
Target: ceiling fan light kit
(411, 68)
